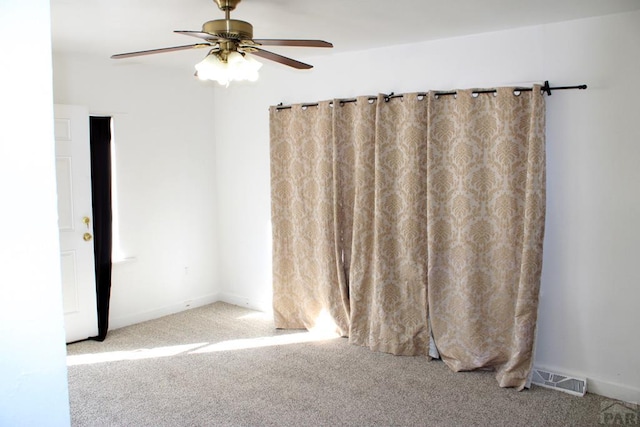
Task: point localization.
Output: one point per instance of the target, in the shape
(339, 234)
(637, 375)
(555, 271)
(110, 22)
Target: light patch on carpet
(199, 348)
(244, 344)
(258, 315)
(143, 353)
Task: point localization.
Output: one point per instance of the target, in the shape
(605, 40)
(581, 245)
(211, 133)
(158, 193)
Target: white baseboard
(614, 391)
(244, 302)
(132, 319)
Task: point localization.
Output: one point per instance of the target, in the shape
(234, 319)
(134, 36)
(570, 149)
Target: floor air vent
(571, 385)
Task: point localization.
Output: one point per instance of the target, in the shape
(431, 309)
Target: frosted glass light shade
(237, 67)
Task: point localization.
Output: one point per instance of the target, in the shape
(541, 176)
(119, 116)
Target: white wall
(165, 166)
(589, 315)
(33, 374)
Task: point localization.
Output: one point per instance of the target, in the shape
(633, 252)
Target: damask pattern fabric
(486, 214)
(307, 276)
(388, 212)
(388, 276)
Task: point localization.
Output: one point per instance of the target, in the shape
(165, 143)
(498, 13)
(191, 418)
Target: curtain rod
(546, 89)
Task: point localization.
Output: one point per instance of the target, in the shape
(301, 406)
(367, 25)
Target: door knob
(87, 237)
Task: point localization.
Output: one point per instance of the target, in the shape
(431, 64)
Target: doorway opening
(100, 138)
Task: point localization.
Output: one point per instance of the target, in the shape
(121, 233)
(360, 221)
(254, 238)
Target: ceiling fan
(230, 40)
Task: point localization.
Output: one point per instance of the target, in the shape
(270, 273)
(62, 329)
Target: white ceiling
(105, 27)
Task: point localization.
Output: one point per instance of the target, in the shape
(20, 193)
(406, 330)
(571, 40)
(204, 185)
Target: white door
(75, 221)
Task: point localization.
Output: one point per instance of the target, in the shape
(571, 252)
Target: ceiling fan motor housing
(227, 4)
(232, 29)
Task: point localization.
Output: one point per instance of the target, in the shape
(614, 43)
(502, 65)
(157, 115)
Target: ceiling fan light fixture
(225, 68)
(243, 67)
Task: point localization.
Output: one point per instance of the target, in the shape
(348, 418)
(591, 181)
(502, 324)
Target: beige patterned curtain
(308, 277)
(387, 213)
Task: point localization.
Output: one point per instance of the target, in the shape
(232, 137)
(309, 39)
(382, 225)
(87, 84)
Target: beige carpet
(224, 365)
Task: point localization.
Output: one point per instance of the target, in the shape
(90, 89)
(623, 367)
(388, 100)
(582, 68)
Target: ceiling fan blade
(290, 42)
(199, 34)
(279, 58)
(163, 50)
